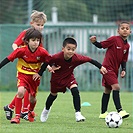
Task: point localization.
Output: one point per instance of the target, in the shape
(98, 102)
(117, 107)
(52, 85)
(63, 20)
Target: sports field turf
(62, 118)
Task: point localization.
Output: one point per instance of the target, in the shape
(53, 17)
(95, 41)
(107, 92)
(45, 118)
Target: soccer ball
(113, 120)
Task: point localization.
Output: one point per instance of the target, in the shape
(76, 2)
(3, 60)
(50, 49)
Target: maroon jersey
(117, 52)
(64, 76)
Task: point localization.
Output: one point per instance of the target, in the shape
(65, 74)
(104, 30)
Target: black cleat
(24, 116)
(8, 112)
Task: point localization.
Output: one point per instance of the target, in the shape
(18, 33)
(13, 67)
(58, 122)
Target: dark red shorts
(109, 79)
(62, 86)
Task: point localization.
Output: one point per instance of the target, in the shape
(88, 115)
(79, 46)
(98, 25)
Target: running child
(64, 78)
(30, 59)
(38, 19)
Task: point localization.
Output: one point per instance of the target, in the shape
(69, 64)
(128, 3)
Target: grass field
(62, 119)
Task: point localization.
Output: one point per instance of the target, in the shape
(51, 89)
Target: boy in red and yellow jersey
(30, 59)
(38, 19)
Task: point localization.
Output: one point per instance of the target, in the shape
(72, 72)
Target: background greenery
(16, 11)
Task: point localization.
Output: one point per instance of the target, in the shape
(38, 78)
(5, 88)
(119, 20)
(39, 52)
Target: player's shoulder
(59, 55)
(113, 37)
(42, 50)
(20, 50)
(22, 33)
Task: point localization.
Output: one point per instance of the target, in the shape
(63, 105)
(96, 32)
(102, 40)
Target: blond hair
(37, 16)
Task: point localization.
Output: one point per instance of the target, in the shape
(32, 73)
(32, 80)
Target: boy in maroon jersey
(116, 55)
(30, 59)
(64, 78)
(38, 19)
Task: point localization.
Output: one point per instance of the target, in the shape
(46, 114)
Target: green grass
(62, 119)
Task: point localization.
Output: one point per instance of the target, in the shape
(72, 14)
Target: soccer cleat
(123, 114)
(44, 115)
(103, 116)
(15, 120)
(31, 116)
(8, 112)
(24, 116)
(79, 117)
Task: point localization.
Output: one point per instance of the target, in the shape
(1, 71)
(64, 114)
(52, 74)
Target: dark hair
(32, 33)
(69, 40)
(123, 22)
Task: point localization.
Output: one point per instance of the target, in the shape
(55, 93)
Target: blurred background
(72, 18)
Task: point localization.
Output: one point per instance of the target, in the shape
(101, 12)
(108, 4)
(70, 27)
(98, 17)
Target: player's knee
(53, 96)
(20, 94)
(116, 87)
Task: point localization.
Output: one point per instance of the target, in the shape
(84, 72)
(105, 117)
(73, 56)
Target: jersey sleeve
(125, 58)
(19, 40)
(83, 59)
(46, 57)
(108, 43)
(15, 54)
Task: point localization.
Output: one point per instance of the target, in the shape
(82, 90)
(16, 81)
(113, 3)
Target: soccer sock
(116, 99)
(50, 100)
(12, 104)
(18, 105)
(76, 98)
(105, 101)
(26, 102)
(32, 106)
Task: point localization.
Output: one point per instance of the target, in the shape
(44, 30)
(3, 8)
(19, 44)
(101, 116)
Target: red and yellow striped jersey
(29, 62)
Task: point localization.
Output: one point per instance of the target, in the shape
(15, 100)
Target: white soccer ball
(113, 120)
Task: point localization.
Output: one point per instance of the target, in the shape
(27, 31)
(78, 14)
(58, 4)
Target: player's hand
(123, 73)
(103, 70)
(93, 39)
(53, 68)
(36, 77)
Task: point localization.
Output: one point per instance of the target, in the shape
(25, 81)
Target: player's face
(69, 51)
(124, 30)
(38, 25)
(33, 44)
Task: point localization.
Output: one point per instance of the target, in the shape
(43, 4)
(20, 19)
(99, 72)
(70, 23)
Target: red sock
(32, 106)
(26, 102)
(12, 104)
(18, 105)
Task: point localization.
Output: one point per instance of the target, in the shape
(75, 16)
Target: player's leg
(48, 104)
(104, 102)
(117, 102)
(9, 109)
(24, 111)
(31, 113)
(76, 103)
(18, 105)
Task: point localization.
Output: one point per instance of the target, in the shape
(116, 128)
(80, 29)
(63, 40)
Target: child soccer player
(30, 59)
(38, 19)
(64, 78)
(116, 55)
